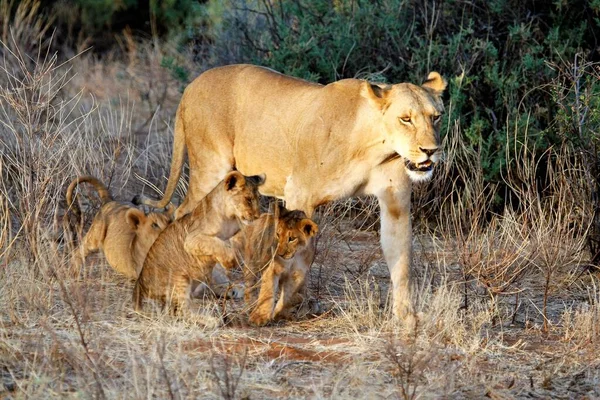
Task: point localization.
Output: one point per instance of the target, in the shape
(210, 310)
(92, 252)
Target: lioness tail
(177, 159)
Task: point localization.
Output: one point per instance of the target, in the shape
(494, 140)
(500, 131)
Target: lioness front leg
(199, 244)
(396, 243)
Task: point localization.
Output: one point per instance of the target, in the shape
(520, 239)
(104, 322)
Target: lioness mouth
(425, 166)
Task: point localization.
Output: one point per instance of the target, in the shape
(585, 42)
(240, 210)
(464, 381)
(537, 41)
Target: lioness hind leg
(205, 174)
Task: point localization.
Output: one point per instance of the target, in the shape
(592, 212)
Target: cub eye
(437, 118)
(292, 239)
(249, 201)
(405, 120)
(155, 225)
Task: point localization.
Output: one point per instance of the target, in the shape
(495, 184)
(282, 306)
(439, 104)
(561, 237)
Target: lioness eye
(155, 225)
(436, 118)
(291, 239)
(405, 119)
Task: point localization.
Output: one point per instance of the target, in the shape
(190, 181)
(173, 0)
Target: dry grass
(502, 298)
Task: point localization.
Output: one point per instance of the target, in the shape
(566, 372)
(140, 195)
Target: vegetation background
(507, 243)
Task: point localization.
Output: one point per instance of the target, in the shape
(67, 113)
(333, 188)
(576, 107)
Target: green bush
(495, 54)
(98, 21)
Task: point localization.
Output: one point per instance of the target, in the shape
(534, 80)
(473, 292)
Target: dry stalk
(409, 365)
(163, 369)
(224, 376)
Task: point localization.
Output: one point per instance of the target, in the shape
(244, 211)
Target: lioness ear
(233, 179)
(309, 227)
(256, 180)
(436, 83)
(135, 218)
(377, 95)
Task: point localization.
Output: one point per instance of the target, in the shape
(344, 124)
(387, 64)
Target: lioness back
(271, 138)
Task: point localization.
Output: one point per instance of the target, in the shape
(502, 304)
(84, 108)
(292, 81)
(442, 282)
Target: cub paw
(228, 260)
(259, 318)
(285, 315)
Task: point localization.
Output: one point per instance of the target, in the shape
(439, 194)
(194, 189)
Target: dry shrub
(444, 321)
(582, 324)
(363, 309)
(542, 230)
(24, 30)
(140, 71)
(488, 247)
(49, 138)
(552, 206)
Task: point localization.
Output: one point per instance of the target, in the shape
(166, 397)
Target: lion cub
(188, 248)
(269, 244)
(123, 232)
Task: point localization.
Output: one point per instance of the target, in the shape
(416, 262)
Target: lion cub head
(294, 229)
(241, 196)
(146, 228)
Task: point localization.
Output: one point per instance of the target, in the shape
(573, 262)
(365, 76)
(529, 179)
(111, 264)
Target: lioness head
(241, 196)
(411, 121)
(293, 231)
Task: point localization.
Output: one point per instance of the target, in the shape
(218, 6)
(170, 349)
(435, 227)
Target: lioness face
(242, 196)
(411, 119)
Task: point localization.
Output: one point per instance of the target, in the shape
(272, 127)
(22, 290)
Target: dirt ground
(80, 338)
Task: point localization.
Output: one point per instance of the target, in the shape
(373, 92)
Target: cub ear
(234, 179)
(309, 228)
(170, 211)
(135, 218)
(435, 83)
(256, 180)
(279, 209)
(376, 94)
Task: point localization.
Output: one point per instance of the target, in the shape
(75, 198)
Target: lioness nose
(429, 152)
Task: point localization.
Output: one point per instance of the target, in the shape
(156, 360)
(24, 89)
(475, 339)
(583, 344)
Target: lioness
(269, 244)
(316, 143)
(122, 232)
(188, 249)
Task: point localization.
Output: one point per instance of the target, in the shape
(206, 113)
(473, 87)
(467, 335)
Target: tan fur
(316, 144)
(269, 244)
(122, 232)
(188, 249)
